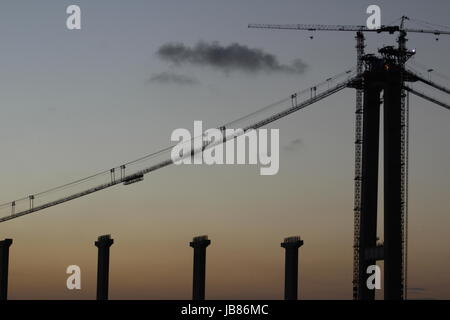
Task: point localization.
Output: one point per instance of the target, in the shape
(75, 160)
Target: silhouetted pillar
(393, 242)
(4, 262)
(369, 180)
(103, 243)
(291, 245)
(198, 288)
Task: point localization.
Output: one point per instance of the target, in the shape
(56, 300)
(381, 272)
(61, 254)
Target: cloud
(172, 78)
(294, 145)
(227, 58)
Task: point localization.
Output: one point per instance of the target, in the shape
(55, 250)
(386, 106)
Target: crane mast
(360, 45)
(404, 151)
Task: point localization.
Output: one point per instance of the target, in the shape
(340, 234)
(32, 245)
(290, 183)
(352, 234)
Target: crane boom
(355, 28)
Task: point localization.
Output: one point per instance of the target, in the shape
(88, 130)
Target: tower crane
(360, 290)
(354, 28)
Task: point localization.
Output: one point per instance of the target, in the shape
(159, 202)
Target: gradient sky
(77, 102)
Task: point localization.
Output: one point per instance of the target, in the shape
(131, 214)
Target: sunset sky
(78, 102)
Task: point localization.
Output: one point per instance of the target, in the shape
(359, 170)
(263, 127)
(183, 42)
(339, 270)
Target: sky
(76, 102)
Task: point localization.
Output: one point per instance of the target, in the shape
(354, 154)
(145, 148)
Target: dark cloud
(172, 78)
(227, 58)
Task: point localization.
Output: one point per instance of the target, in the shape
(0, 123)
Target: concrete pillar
(198, 288)
(103, 243)
(369, 180)
(291, 245)
(393, 242)
(4, 263)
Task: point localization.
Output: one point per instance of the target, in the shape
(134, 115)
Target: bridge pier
(198, 288)
(291, 245)
(4, 264)
(103, 244)
(393, 220)
(369, 179)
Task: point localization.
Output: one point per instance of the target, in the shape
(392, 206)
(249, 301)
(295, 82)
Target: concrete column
(291, 245)
(4, 263)
(103, 243)
(369, 180)
(393, 219)
(198, 288)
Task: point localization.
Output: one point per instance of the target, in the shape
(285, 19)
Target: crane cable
(424, 68)
(428, 24)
